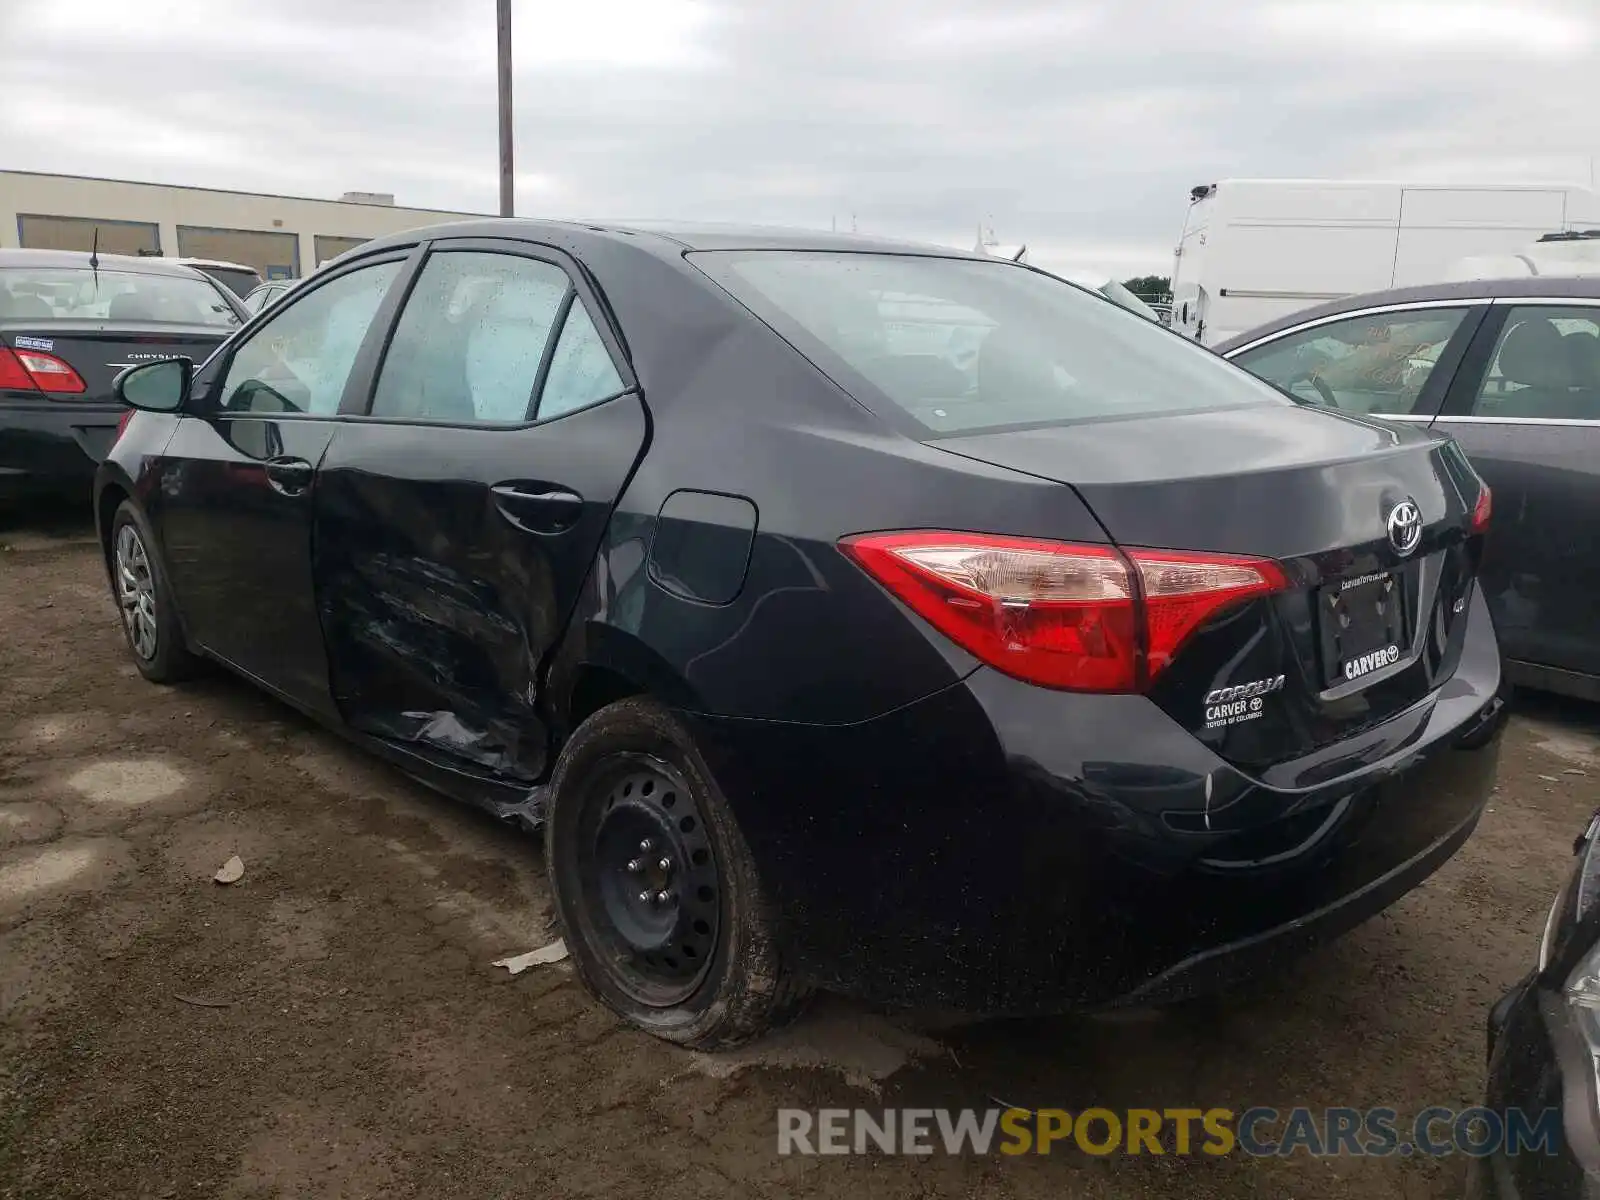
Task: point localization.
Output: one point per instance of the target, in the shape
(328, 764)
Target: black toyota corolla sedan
(851, 614)
(1511, 369)
(68, 324)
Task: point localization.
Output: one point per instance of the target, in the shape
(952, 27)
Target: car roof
(1579, 287)
(666, 236)
(80, 260)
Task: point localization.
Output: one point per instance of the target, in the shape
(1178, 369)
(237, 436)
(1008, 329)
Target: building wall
(215, 220)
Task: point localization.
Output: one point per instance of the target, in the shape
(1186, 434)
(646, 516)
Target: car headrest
(131, 306)
(1583, 357)
(1535, 356)
(24, 307)
(1012, 367)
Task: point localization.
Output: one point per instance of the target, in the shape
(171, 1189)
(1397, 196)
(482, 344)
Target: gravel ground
(332, 1026)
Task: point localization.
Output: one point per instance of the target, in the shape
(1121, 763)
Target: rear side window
(469, 343)
(967, 345)
(1547, 365)
(1374, 363)
(581, 370)
(44, 294)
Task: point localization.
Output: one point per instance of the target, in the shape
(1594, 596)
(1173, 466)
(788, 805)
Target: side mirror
(156, 387)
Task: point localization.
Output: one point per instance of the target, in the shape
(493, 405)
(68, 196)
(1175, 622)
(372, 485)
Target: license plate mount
(1363, 626)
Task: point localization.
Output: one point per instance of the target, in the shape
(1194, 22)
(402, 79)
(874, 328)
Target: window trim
(580, 289)
(1351, 313)
(209, 405)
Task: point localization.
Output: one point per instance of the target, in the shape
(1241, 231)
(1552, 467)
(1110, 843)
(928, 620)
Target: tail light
(1482, 510)
(30, 369)
(1081, 618)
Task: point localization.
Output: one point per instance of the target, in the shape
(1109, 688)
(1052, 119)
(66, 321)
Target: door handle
(288, 475)
(538, 508)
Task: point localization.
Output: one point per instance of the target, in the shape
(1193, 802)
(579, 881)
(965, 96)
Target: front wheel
(145, 602)
(654, 885)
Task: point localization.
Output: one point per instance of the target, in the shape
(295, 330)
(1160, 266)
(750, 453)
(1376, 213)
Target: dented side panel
(440, 598)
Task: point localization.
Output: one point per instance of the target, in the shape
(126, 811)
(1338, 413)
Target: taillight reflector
(1081, 618)
(30, 369)
(1482, 510)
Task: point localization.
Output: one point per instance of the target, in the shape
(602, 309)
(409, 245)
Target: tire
(634, 812)
(144, 600)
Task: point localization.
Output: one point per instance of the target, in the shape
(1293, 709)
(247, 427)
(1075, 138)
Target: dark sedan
(1510, 368)
(850, 614)
(1544, 1049)
(68, 324)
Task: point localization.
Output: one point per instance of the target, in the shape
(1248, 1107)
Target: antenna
(94, 252)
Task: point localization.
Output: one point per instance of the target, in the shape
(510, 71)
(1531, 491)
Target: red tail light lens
(13, 376)
(30, 369)
(1482, 510)
(1080, 618)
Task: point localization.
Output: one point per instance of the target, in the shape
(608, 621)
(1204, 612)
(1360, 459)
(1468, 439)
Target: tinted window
(1546, 365)
(73, 294)
(1378, 363)
(299, 361)
(964, 345)
(470, 340)
(581, 370)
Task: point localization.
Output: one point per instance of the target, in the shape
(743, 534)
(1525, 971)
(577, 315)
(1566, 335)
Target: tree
(1149, 288)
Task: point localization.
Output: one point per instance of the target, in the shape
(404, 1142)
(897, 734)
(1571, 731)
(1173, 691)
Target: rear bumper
(998, 848)
(53, 446)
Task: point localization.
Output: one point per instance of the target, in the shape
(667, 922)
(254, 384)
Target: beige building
(282, 237)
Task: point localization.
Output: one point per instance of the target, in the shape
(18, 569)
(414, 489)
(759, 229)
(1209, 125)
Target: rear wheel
(655, 887)
(144, 601)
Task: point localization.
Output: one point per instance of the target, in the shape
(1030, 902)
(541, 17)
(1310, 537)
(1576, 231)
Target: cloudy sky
(1077, 127)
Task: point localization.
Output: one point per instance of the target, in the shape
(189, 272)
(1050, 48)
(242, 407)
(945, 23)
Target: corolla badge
(1405, 526)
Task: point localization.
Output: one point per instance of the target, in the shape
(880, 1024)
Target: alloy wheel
(136, 592)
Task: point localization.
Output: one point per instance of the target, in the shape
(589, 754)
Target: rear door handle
(288, 475)
(538, 508)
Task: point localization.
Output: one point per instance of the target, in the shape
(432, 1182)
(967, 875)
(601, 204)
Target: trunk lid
(99, 351)
(1366, 627)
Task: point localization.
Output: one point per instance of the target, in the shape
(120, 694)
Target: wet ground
(332, 1026)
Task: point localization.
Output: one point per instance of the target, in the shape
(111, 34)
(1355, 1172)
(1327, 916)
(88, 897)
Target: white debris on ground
(231, 871)
(553, 953)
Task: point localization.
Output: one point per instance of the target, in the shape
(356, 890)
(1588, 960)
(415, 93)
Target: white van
(1256, 249)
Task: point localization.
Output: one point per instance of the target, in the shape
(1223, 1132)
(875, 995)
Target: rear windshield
(963, 345)
(45, 294)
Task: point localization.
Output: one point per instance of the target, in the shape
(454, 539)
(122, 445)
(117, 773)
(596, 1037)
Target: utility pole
(508, 202)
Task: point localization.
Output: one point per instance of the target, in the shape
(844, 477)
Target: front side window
(1546, 365)
(300, 360)
(1377, 363)
(45, 294)
(469, 343)
(964, 345)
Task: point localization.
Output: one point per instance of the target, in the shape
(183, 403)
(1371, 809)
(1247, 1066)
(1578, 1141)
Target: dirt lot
(331, 1026)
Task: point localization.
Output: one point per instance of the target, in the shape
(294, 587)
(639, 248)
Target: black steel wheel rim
(649, 879)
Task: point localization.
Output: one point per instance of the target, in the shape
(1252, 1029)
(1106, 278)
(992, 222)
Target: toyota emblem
(1405, 526)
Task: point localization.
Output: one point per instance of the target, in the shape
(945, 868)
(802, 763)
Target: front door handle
(288, 475)
(538, 508)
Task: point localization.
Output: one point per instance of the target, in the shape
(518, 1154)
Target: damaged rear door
(459, 511)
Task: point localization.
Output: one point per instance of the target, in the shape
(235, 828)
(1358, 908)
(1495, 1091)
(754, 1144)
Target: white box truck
(1255, 249)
